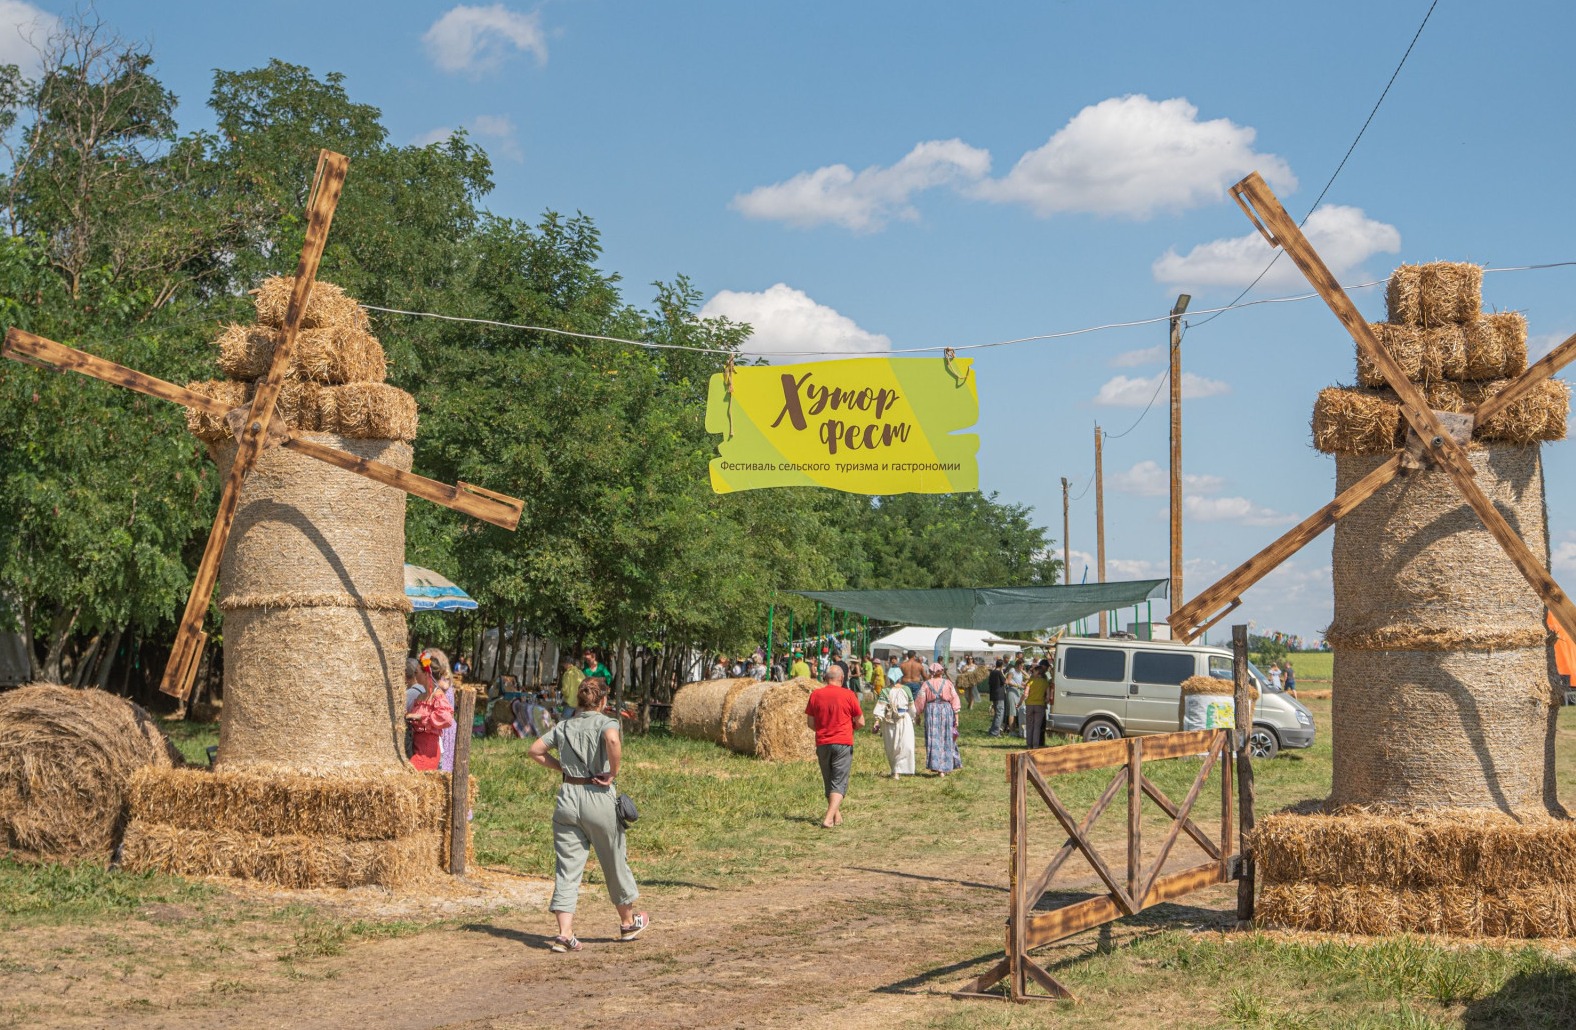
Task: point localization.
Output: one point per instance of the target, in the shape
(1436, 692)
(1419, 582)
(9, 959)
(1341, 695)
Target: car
(1107, 689)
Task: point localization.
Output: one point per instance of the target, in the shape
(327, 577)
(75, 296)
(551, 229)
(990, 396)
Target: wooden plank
(460, 781)
(325, 195)
(1071, 758)
(1540, 370)
(1188, 621)
(1070, 848)
(1118, 892)
(36, 350)
(478, 505)
(1182, 744)
(979, 986)
(1225, 813)
(1048, 927)
(1185, 810)
(1018, 911)
(1045, 980)
(1135, 825)
(1175, 384)
(1188, 825)
(1246, 873)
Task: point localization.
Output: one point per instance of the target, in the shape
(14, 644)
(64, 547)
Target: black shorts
(837, 761)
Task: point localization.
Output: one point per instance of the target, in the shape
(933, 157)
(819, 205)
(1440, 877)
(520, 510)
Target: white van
(1108, 688)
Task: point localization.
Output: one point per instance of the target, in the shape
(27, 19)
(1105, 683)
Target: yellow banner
(862, 425)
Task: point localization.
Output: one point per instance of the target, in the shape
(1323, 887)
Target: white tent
(922, 641)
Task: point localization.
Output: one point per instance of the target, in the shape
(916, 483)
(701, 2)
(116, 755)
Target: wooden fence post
(1018, 979)
(460, 779)
(1135, 795)
(1245, 882)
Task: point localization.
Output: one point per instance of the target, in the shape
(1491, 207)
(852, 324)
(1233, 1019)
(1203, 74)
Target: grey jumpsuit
(585, 817)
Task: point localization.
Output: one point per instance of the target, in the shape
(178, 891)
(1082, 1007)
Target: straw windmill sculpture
(259, 427)
(1436, 439)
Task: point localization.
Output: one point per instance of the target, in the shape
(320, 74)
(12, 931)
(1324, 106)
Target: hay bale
(1493, 346)
(328, 308)
(700, 709)
(1425, 713)
(339, 354)
(767, 720)
(294, 861)
(1213, 686)
(971, 679)
(1434, 294)
(1362, 421)
(360, 411)
(67, 758)
(1547, 911)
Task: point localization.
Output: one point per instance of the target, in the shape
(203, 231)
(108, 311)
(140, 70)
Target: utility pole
(1099, 520)
(1177, 596)
(1067, 561)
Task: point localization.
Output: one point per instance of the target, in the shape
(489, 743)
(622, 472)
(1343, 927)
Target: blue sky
(870, 176)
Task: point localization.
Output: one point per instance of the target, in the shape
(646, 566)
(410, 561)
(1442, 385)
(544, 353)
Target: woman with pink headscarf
(938, 701)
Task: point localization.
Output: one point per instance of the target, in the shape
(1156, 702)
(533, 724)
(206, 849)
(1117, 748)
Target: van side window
(1095, 663)
(1162, 667)
(1220, 667)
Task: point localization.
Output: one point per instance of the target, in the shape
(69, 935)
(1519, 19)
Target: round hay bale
(700, 709)
(66, 761)
(780, 731)
(738, 727)
(1442, 683)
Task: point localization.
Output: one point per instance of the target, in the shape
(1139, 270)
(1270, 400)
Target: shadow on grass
(949, 978)
(680, 883)
(535, 940)
(930, 879)
(1540, 999)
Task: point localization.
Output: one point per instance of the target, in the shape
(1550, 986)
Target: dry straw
(66, 760)
(1215, 687)
(1493, 346)
(1364, 421)
(1434, 294)
(1548, 910)
(328, 308)
(767, 720)
(295, 861)
(340, 354)
(361, 411)
(700, 709)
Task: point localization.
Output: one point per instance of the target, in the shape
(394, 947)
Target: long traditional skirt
(897, 733)
(941, 749)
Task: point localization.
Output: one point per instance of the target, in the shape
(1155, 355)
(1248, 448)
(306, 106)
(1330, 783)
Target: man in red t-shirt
(834, 714)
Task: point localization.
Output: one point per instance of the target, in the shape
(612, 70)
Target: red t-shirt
(834, 710)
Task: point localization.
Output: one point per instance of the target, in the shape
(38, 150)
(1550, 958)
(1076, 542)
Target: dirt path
(859, 946)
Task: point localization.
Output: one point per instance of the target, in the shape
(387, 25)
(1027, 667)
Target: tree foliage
(138, 242)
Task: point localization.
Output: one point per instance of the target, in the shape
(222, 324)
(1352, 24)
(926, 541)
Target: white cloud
(1134, 156)
(1564, 557)
(1115, 568)
(1130, 392)
(478, 39)
(787, 322)
(24, 29)
(1539, 344)
(1345, 237)
(865, 200)
(1233, 509)
(499, 128)
(1135, 358)
(1149, 479)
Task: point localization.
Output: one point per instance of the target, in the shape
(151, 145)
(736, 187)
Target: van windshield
(1220, 668)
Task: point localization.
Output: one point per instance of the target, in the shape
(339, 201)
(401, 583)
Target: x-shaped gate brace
(1434, 438)
(255, 428)
(1142, 887)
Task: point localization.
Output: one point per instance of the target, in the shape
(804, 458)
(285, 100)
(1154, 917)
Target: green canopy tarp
(1002, 609)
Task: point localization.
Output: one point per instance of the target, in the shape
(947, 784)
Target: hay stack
(66, 760)
(700, 709)
(1443, 713)
(763, 719)
(291, 831)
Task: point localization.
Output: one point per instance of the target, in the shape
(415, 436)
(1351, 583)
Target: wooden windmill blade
(327, 184)
(57, 357)
(1429, 435)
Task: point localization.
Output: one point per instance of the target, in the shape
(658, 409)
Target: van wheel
(1101, 729)
(1262, 743)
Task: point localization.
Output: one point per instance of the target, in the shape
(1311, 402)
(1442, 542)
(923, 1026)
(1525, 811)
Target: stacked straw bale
(67, 758)
(311, 754)
(1443, 713)
(763, 719)
(291, 831)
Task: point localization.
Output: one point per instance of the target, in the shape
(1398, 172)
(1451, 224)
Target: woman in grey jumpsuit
(590, 749)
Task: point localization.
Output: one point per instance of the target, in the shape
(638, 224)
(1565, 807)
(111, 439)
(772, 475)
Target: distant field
(1312, 666)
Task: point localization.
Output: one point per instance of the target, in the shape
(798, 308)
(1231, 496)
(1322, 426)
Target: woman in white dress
(895, 722)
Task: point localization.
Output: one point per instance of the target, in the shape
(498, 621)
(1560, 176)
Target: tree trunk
(131, 659)
(83, 666)
(107, 662)
(60, 634)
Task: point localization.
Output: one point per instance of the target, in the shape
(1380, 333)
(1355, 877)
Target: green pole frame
(818, 624)
(790, 630)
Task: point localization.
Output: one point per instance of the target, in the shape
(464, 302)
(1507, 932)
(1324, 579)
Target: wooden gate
(1141, 884)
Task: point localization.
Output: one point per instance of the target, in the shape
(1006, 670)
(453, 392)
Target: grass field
(1313, 666)
(714, 823)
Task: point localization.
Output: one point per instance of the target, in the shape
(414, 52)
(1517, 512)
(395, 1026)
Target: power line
(1347, 156)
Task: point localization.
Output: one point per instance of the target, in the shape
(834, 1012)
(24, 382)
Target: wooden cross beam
(255, 429)
(1429, 439)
